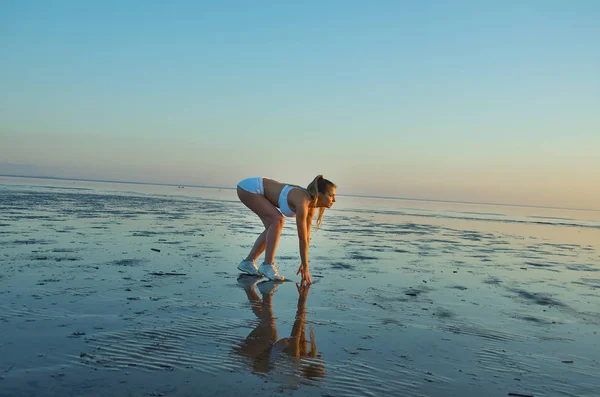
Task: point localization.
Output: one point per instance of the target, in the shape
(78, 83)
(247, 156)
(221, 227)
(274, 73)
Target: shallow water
(410, 298)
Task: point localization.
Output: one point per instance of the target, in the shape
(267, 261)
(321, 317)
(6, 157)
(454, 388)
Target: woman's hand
(302, 290)
(303, 270)
(302, 297)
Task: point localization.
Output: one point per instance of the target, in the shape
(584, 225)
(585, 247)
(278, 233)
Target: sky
(477, 101)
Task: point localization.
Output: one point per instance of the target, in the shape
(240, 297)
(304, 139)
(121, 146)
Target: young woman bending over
(271, 201)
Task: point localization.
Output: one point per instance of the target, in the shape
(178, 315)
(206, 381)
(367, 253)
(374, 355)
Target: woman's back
(273, 191)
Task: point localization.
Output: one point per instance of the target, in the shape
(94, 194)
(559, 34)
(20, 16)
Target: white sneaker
(246, 281)
(249, 267)
(269, 270)
(268, 287)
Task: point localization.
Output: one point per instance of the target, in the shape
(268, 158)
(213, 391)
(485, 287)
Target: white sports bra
(283, 202)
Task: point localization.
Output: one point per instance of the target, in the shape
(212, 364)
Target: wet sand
(123, 290)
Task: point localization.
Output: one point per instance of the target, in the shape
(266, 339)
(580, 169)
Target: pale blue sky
(449, 100)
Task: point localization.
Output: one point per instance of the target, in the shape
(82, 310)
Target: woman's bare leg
(255, 302)
(272, 219)
(273, 234)
(259, 246)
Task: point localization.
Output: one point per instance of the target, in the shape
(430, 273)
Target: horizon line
(343, 195)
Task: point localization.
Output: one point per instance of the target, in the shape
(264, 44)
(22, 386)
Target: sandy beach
(132, 290)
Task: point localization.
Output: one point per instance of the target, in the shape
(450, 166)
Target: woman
(263, 346)
(271, 201)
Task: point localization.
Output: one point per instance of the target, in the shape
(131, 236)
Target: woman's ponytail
(313, 189)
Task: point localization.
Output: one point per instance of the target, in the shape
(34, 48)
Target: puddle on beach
(102, 287)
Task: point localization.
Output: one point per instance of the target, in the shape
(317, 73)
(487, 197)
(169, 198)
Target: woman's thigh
(260, 205)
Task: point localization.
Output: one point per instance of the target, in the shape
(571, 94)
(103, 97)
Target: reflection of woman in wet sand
(271, 201)
(262, 345)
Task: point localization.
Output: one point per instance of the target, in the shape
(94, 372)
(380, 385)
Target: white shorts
(253, 185)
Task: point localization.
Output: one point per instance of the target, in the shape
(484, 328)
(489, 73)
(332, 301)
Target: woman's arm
(309, 217)
(303, 240)
(298, 329)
